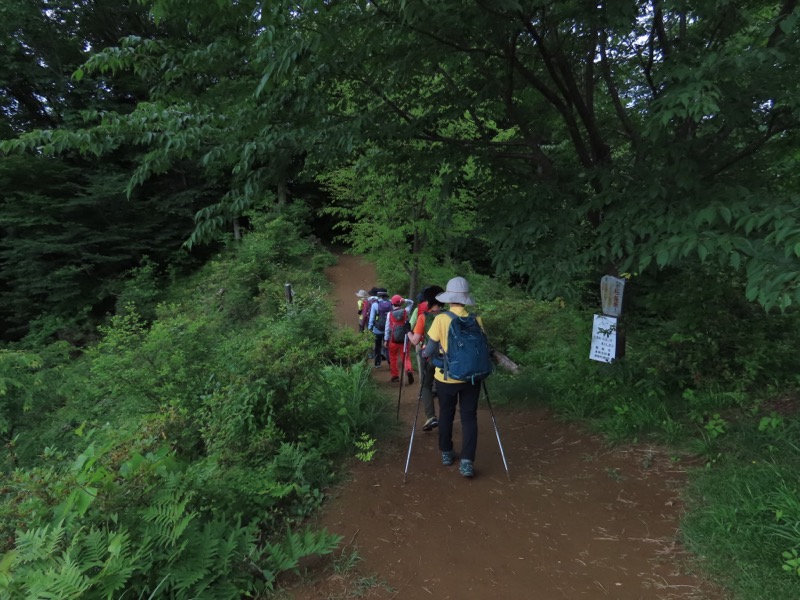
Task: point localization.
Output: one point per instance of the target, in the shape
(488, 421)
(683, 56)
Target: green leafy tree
(67, 233)
(636, 133)
(407, 208)
(620, 136)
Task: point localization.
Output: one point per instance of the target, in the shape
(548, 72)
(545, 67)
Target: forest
(169, 421)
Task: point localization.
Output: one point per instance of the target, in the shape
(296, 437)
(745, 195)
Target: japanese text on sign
(611, 289)
(604, 339)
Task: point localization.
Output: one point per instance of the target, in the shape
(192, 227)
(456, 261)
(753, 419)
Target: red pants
(395, 355)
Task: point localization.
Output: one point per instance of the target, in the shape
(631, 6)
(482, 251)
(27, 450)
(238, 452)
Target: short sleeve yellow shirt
(438, 333)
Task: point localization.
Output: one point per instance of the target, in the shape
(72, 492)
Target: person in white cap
(454, 392)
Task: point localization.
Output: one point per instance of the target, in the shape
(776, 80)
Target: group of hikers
(452, 351)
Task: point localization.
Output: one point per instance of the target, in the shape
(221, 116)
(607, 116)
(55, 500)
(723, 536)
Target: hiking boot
(410, 376)
(430, 424)
(376, 366)
(395, 379)
(466, 468)
(448, 458)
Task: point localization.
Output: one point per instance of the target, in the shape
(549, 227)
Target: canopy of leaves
(624, 135)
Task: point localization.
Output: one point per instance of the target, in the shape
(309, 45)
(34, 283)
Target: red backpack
(398, 327)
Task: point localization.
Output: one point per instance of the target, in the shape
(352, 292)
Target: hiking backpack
(429, 315)
(468, 357)
(384, 308)
(365, 311)
(398, 326)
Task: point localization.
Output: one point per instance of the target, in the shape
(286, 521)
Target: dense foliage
(626, 135)
(714, 393)
(179, 457)
(544, 143)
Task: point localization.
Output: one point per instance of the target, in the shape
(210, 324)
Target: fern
(198, 561)
(95, 565)
(211, 560)
(286, 554)
(66, 582)
(38, 544)
(168, 513)
(91, 552)
(119, 566)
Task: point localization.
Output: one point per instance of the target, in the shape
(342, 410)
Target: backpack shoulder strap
(468, 317)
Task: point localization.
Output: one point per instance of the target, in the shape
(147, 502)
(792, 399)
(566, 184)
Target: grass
(741, 519)
(346, 562)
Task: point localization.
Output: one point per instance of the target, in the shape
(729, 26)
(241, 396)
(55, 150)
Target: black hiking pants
(378, 348)
(426, 381)
(466, 396)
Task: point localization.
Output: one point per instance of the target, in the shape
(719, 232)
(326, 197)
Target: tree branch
(622, 115)
(561, 107)
(562, 75)
(755, 145)
(435, 37)
(543, 162)
(777, 33)
(475, 119)
(658, 27)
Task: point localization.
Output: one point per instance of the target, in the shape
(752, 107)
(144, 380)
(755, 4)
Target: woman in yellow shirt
(454, 392)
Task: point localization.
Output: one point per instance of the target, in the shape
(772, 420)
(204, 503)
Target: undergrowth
(181, 454)
(707, 375)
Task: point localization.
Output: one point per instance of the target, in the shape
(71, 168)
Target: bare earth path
(576, 521)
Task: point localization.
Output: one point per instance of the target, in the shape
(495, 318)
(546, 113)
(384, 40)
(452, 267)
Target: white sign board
(604, 339)
(611, 289)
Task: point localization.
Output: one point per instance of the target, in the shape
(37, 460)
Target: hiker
(452, 391)
(422, 303)
(428, 308)
(378, 316)
(362, 300)
(395, 337)
(372, 296)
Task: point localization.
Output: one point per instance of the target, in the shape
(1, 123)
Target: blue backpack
(468, 357)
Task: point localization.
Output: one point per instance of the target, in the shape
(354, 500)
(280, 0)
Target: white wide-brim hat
(457, 292)
(362, 293)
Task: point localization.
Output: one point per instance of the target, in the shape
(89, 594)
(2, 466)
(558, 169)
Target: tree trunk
(283, 192)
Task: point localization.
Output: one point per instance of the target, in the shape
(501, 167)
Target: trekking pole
(413, 429)
(402, 375)
(496, 432)
(419, 362)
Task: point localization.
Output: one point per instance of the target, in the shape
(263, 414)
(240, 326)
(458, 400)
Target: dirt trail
(577, 520)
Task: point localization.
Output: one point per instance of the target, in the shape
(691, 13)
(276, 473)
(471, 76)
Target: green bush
(135, 525)
(140, 291)
(186, 448)
(29, 385)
